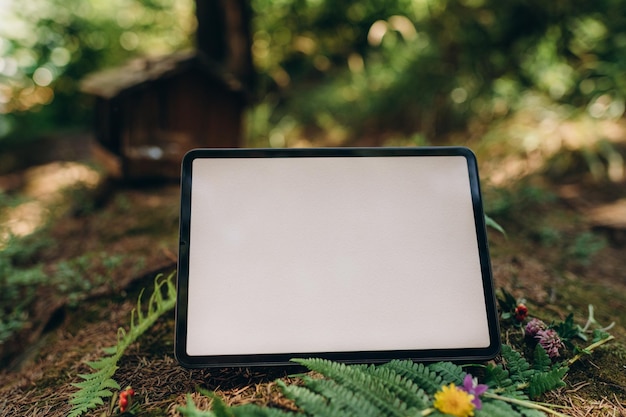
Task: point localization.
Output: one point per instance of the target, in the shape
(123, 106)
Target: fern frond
(496, 409)
(546, 381)
(97, 365)
(138, 311)
(405, 389)
(529, 412)
(541, 359)
(357, 380)
(449, 372)
(341, 400)
(218, 405)
(497, 377)
(100, 379)
(94, 386)
(107, 351)
(190, 410)
(251, 410)
(220, 409)
(420, 374)
(309, 401)
(519, 368)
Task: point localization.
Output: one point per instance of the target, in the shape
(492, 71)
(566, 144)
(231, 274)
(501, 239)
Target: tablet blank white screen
(333, 254)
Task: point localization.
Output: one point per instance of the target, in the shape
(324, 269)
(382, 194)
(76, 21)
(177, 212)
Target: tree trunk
(223, 35)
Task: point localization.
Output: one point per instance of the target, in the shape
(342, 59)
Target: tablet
(350, 254)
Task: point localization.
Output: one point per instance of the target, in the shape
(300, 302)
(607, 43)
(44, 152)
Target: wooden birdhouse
(150, 112)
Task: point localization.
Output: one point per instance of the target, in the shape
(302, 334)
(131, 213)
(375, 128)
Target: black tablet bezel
(283, 358)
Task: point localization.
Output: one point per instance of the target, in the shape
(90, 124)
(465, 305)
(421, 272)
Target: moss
(601, 375)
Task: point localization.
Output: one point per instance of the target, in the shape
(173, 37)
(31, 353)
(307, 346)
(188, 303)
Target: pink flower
(550, 341)
(533, 327)
(472, 387)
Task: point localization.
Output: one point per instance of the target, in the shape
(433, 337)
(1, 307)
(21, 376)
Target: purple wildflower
(534, 326)
(550, 341)
(472, 387)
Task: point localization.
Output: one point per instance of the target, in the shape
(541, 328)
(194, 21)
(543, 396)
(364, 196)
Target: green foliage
(507, 304)
(431, 66)
(519, 379)
(542, 382)
(427, 66)
(20, 275)
(569, 330)
(496, 409)
(541, 360)
(190, 410)
(511, 202)
(493, 224)
(401, 388)
(75, 277)
(47, 46)
(98, 385)
(585, 246)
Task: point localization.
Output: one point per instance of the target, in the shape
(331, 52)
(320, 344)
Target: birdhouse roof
(111, 82)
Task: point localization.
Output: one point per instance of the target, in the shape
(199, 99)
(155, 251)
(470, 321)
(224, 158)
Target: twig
(524, 403)
(589, 349)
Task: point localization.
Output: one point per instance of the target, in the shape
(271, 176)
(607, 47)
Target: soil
(558, 254)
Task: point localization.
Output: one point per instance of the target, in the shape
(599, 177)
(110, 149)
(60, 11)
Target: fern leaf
(356, 379)
(97, 382)
(340, 400)
(111, 350)
(79, 402)
(497, 377)
(251, 410)
(88, 377)
(541, 359)
(190, 410)
(492, 223)
(138, 311)
(94, 386)
(79, 410)
(529, 412)
(308, 401)
(405, 389)
(420, 374)
(543, 382)
(496, 409)
(519, 368)
(449, 372)
(218, 405)
(97, 365)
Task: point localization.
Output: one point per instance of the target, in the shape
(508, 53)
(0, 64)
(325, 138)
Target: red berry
(125, 399)
(521, 312)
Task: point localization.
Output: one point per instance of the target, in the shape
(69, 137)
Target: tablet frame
(360, 356)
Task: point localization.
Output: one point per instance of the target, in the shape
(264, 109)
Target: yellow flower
(454, 401)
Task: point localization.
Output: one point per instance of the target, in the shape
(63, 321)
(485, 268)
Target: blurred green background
(337, 72)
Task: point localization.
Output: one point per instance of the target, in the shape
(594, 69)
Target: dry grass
(577, 406)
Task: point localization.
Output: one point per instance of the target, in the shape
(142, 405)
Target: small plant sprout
(512, 308)
(591, 320)
(98, 384)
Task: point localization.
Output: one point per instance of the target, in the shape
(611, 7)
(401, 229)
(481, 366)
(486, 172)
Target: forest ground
(564, 250)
